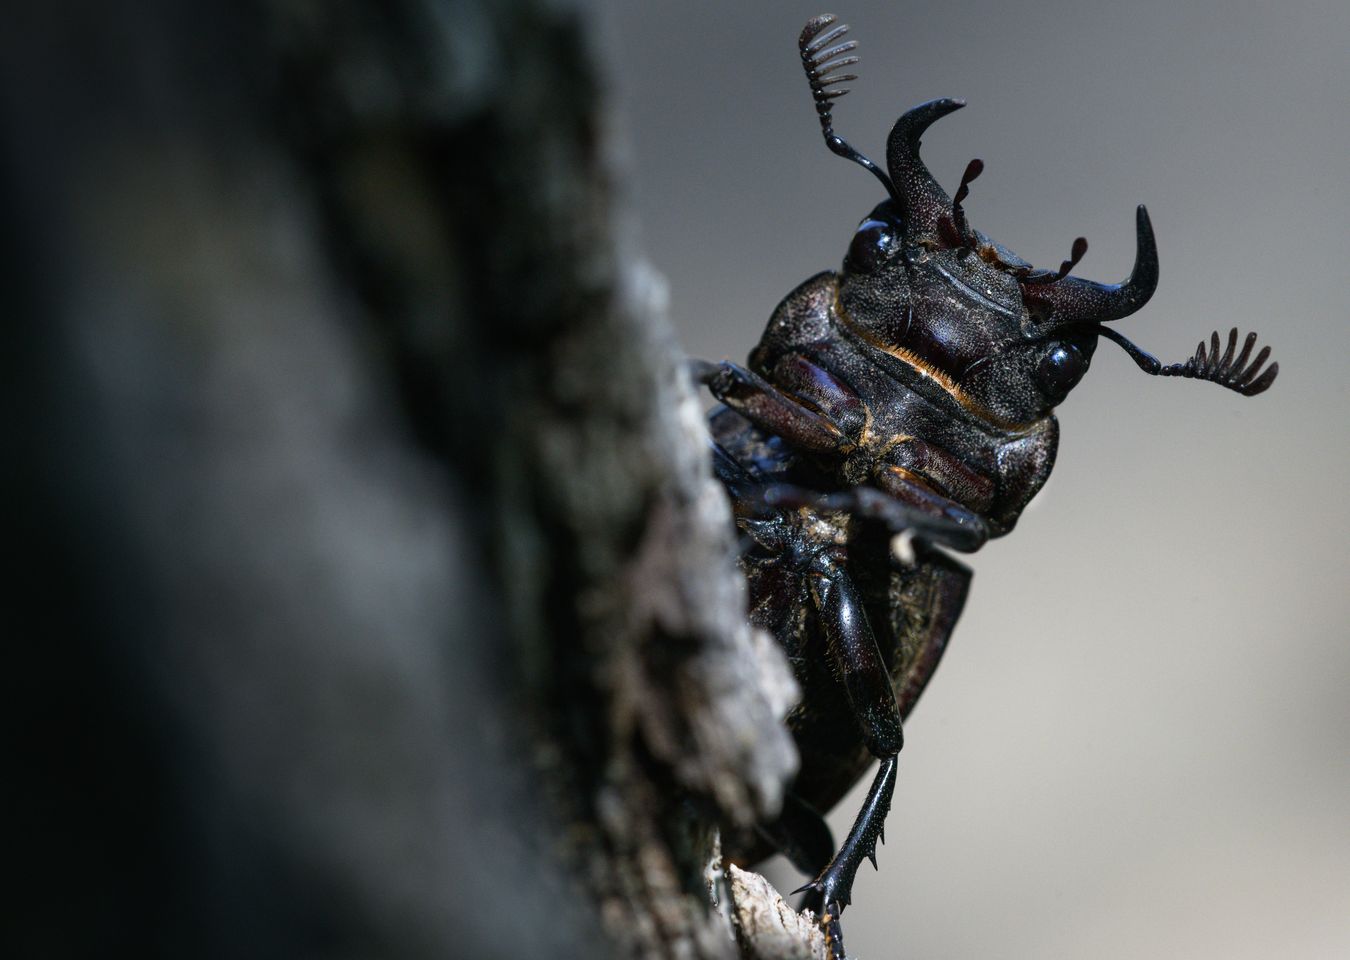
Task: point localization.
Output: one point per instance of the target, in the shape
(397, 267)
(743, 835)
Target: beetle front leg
(769, 408)
(867, 683)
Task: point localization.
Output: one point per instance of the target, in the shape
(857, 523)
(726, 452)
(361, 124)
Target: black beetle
(897, 407)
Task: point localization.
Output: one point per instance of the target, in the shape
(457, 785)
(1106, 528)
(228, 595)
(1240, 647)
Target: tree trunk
(380, 601)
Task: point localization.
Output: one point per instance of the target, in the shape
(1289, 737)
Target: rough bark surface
(381, 603)
(766, 927)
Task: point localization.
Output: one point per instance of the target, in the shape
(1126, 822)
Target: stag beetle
(892, 411)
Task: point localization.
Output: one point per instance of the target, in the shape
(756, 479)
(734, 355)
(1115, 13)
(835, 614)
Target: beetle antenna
(973, 170)
(1228, 371)
(1045, 276)
(821, 56)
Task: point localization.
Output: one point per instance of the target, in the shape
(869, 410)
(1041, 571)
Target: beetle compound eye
(873, 245)
(1060, 370)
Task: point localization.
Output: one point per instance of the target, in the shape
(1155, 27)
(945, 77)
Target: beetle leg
(929, 516)
(801, 834)
(834, 885)
(867, 684)
(737, 480)
(833, 888)
(771, 409)
(947, 473)
(854, 653)
(901, 485)
(822, 390)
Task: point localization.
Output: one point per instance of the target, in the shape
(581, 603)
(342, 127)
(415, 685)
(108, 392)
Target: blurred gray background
(1138, 744)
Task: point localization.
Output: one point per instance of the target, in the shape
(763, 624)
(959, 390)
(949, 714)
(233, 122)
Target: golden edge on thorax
(916, 363)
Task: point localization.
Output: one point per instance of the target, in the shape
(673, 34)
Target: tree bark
(380, 599)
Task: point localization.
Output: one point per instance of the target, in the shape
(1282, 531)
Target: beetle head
(1008, 341)
(920, 284)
